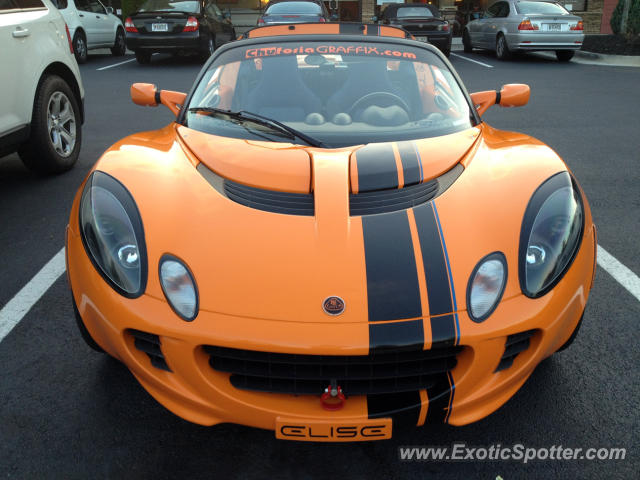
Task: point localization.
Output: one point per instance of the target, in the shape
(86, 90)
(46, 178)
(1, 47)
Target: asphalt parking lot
(66, 412)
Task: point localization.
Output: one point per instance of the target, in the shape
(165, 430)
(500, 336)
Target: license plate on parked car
(423, 39)
(554, 27)
(159, 27)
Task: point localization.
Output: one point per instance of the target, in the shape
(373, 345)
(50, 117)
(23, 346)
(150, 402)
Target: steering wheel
(370, 97)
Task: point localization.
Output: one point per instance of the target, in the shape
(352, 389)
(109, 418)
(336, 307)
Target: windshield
(338, 93)
(293, 7)
(544, 8)
(421, 12)
(168, 6)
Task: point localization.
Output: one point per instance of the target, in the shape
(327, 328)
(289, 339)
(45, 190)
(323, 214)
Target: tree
(632, 17)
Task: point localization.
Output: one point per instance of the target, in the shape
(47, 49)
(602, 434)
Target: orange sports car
(329, 242)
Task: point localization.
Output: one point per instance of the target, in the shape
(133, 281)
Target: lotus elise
(329, 242)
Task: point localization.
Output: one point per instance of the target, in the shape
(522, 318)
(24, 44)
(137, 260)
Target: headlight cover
(179, 287)
(551, 234)
(112, 234)
(486, 286)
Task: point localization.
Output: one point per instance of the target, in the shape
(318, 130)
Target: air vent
(150, 344)
(391, 200)
(270, 200)
(388, 372)
(516, 344)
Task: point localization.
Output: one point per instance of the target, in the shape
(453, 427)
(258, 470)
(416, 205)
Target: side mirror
(511, 95)
(109, 10)
(147, 95)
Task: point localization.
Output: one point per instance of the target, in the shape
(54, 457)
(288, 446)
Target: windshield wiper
(265, 121)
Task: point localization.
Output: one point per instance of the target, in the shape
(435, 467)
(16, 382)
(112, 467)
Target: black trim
(392, 279)
(158, 98)
(352, 28)
(436, 274)
(10, 141)
(392, 199)
(270, 200)
(498, 97)
(164, 258)
(323, 38)
(376, 165)
(492, 256)
(403, 408)
(396, 336)
(439, 398)
(410, 162)
(125, 198)
(542, 193)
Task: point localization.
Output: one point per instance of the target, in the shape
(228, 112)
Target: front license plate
(159, 27)
(324, 431)
(423, 39)
(554, 27)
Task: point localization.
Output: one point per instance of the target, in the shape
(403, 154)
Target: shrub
(130, 6)
(633, 20)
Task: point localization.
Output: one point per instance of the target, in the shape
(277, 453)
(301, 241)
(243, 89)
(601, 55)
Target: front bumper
(194, 391)
(545, 41)
(158, 42)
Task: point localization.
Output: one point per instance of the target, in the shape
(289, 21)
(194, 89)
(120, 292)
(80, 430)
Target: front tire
(143, 58)
(208, 50)
(564, 55)
(502, 49)
(56, 134)
(80, 47)
(119, 47)
(466, 42)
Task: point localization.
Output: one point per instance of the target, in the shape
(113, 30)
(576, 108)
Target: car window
(493, 10)
(294, 7)
(6, 5)
(23, 4)
(339, 92)
(96, 7)
(189, 6)
(82, 5)
(422, 12)
(504, 10)
(60, 4)
(545, 8)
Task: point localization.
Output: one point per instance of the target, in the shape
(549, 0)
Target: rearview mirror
(511, 95)
(147, 95)
(110, 10)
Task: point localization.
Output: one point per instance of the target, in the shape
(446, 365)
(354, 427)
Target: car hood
(253, 263)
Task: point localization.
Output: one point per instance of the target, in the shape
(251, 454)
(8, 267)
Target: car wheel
(80, 47)
(56, 135)
(466, 42)
(119, 47)
(564, 55)
(208, 49)
(502, 49)
(573, 336)
(143, 58)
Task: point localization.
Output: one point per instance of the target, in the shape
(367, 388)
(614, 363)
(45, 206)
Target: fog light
(179, 287)
(486, 286)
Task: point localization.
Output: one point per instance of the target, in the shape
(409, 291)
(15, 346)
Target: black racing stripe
(439, 395)
(392, 279)
(373, 30)
(410, 163)
(351, 28)
(403, 408)
(443, 331)
(377, 168)
(396, 336)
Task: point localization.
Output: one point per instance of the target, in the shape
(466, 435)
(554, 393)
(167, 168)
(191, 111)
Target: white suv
(92, 25)
(41, 99)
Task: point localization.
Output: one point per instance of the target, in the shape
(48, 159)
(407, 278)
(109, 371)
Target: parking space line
(21, 303)
(470, 60)
(15, 310)
(115, 64)
(619, 272)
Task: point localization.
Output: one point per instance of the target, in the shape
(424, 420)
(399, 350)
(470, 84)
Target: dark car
(424, 22)
(294, 12)
(190, 26)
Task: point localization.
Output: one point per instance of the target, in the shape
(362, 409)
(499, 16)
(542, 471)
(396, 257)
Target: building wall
(607, 12)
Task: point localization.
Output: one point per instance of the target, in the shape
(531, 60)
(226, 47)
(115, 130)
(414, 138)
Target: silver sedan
(510, 26)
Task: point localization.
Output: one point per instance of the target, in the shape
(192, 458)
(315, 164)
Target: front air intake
(515, 344)
(150, 344)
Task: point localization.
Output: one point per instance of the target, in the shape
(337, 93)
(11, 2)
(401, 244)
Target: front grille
(150, 344)
(515, 344)
(388, 372)
(270, 200)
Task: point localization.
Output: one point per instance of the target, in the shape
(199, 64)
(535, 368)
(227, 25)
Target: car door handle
(98, 17)
(81, 15)
(21, 33)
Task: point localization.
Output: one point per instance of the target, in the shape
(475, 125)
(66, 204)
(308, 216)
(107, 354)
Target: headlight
(112, 234)
(179, 287)
(486, 286)
(551, 234)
